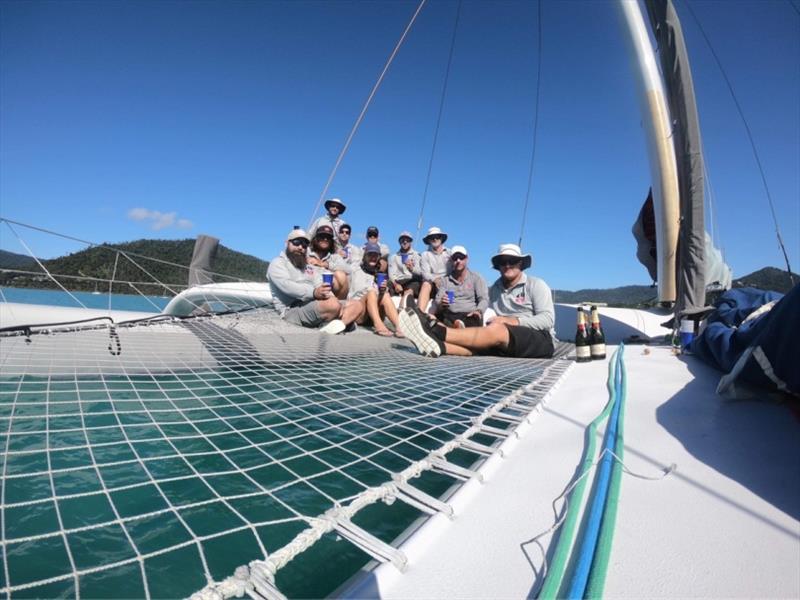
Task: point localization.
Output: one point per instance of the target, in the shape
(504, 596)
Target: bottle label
(582, 351)
(598, 349)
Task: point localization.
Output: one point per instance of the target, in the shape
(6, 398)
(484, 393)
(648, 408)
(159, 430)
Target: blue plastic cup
(404, 258)
(380, 278)
(327, 278)
(687, 333)
(451, 296)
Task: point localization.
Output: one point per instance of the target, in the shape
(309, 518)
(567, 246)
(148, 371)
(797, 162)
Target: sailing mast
(688, 153)
(663, 167)
(676, 161)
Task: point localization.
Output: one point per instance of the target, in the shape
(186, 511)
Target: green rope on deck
(597, 576)
(555, 575)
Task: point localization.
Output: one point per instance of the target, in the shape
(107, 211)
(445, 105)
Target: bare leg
(353, 310)
(340, 284)
(424, 295)
(476, 339)
(329, 308)
(390, 310)
(404, 298)
(374, 311)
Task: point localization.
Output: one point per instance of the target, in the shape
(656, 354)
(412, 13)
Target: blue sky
(226, 118)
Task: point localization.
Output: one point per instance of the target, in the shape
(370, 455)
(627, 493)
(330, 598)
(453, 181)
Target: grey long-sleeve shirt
(289, 285)
(399, 271)
(335, 263)
(530, 301)
(470, 294)
(434, 265)
(361, 283)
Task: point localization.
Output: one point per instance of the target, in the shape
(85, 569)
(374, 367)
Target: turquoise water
(90, 300)
(200, 453)
(155, 444)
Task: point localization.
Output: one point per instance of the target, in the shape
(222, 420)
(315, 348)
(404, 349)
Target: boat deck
(723, 524)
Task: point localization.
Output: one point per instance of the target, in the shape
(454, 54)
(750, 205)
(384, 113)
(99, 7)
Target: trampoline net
(232, 454)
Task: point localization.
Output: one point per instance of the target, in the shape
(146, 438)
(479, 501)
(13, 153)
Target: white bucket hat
(512, 251)
(297, 233)
(434, 231)
(458, 250)
(335, 201)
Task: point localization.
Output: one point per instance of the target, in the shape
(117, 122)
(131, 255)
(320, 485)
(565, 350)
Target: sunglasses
(324, 236)
(508, 262)
(344, 231)
(436, 237)
(405, 240)
(459, 257)
(299, 242)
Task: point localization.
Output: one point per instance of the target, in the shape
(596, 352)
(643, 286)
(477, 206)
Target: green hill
(768, 278)
(628, 296)
(99, 262)
(12, 260)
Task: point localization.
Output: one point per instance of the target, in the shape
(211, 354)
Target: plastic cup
(451, 296)
(327, 278)
(404, 258)
(380, 278)
(687, 333)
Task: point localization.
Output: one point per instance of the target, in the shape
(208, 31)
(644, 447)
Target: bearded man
(322, 257)
(299, 294)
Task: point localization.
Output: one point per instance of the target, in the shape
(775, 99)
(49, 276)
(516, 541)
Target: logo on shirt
(520, 298)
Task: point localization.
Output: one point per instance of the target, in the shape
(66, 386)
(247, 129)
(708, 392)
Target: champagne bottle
(582, 349)
(597, 339)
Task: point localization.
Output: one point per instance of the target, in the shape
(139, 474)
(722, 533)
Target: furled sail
(677, 77)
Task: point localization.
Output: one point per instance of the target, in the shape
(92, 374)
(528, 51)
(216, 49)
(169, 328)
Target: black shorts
(448, 317)
(412, 284)
(524, 342)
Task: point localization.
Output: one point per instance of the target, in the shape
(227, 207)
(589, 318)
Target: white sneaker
(418, 333)
(333, 327)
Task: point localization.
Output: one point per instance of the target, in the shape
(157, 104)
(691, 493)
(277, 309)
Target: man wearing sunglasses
(469, 292)
(333, 218)
(434, 262)
(348, 251)
(405, 272)
(323, 258)
(523, 327)
(300, 296)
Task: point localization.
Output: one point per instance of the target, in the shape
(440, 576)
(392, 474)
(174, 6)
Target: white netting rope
(219, 417)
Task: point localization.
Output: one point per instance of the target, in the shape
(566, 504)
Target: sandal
(399, 334)
(383, 332)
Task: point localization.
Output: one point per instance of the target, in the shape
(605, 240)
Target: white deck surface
(725, 524)
(13, 313)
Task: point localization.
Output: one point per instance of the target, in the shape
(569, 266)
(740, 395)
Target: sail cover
(205, 249)
(683, 110)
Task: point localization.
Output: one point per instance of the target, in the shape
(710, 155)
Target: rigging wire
(360, 118)
(750, 139)
(535, 123)
(438, 119)
(111, 248)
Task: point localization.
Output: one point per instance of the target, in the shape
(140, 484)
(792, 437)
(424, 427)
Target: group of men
(322, 279)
